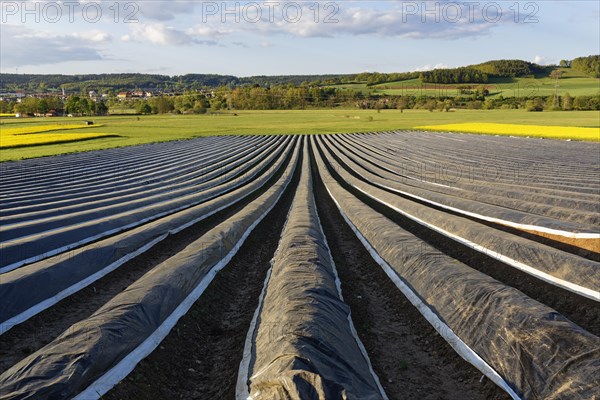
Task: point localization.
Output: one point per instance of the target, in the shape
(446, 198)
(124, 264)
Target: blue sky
(284, 37)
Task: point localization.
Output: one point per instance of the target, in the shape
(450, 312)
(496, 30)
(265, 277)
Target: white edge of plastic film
(116, 374)
(440, 326)
(242, 391)
(534, 228)
(573, 287)
(10, 323)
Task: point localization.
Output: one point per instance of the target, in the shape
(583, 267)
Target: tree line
(121, 82)
(282, 98)
(538, 103)
(75, 105)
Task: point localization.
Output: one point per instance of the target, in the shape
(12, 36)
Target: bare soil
(589, 248)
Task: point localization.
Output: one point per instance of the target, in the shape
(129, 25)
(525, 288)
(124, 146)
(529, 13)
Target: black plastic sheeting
(30, 183)
(484, 174)
(38, 245)
(556, 263)
(549, 166)
(304, 345)
(566, 217)
(30, 285)
(199, 171)
(87, 209)
(536, 351)
(91, 347)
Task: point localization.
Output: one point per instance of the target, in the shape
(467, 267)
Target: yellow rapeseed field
(539, 131)
(42, 128)
(31, 136)
(6, 115)
(12, 141)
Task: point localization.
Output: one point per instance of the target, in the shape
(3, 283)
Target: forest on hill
(112, 83)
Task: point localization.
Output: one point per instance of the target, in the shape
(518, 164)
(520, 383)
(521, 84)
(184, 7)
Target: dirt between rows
(410, 358)
(589, 248)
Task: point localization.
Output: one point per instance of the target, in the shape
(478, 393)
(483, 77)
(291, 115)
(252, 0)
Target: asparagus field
(390, 265)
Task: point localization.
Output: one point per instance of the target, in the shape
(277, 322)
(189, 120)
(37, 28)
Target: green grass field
(572, 82)
(133, 130)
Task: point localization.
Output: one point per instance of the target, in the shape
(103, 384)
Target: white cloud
(209, 32)
(349, 20)
(22, 33)
(93, 36)
(161, 34)
(543, 60)
(357, 21)
(428, 67)
(21, 46)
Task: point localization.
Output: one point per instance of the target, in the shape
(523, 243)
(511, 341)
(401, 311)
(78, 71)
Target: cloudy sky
(288, 37)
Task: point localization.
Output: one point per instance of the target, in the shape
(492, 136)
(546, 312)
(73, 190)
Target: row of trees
(83, 106)
(550, 103)
(188, 103)
(73, 105)
(33, 105)
(375, 78)
(246, 98)
(287, 97)
(253, 99)
(565, 103)
(279, 98)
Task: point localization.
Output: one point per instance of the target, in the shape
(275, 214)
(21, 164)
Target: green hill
(572, 81)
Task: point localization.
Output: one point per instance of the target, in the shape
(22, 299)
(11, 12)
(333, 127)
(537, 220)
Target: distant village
(19, 95)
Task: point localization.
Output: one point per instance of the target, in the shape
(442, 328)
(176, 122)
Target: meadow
(135, 130)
